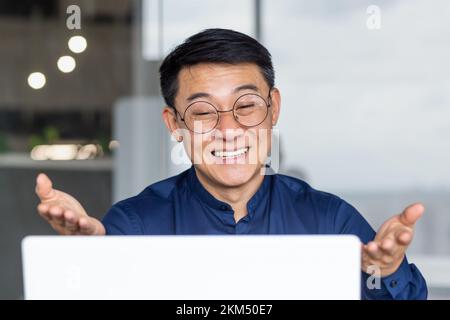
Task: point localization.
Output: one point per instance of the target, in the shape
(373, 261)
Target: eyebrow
(247, 86)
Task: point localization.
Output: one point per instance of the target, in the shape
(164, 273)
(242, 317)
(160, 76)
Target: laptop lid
(192, 267)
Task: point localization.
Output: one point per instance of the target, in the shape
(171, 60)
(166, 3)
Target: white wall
(365, 109)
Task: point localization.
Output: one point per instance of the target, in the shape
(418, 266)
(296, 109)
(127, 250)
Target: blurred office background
(365, 106)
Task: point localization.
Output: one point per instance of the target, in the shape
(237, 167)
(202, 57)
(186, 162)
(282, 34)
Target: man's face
(231, 154)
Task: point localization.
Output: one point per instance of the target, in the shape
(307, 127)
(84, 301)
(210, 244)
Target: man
(222, 104)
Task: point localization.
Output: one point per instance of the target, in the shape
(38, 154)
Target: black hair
(213, 46)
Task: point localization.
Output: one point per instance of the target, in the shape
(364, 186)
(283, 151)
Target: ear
(170, 119)
(275, 105)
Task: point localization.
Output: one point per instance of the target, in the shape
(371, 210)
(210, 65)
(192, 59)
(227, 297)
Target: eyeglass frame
(268, 105)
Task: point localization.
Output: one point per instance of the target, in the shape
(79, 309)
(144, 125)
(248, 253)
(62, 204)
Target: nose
(228, 129)
(227, 121)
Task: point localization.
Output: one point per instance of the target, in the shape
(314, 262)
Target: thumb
(44, 188)
(411, 214)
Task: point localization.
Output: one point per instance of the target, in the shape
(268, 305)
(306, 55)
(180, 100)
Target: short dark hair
(213, 46)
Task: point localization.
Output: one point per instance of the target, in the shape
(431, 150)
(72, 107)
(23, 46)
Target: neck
(236, 196)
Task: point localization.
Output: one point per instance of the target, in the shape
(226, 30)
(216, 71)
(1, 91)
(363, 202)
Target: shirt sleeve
(406, 283)
(122, 220)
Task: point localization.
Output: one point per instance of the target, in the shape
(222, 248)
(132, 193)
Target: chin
(233, 175)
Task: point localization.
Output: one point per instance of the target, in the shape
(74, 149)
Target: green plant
(51, 134)
(3, 143)
(35, 140)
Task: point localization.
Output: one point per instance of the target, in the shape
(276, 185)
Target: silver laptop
(192, 267)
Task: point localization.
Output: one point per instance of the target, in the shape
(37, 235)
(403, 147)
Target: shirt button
(223, 207)
(393, 283)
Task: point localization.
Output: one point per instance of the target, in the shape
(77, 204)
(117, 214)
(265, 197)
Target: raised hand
(388, 248)
(63, 212)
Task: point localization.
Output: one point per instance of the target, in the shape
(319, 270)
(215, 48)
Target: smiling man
(222, 105)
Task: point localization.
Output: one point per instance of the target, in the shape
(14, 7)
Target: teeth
(229, 154)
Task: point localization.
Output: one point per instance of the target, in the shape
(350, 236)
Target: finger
(86, 225)
(44, 188)
(373, 250)
(56, 214)
(411, 214)
(43, 210)
(388, 245)
(364, 252)
(405, 237)
(70, 221)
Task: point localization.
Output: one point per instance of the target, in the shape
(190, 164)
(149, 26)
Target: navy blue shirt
(180, 205)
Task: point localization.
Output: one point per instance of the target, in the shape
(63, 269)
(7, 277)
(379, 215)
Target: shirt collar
(258, 198)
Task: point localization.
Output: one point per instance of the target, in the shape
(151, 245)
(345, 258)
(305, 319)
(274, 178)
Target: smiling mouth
(230, 154)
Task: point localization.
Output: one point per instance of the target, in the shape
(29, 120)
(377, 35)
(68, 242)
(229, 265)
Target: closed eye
(246, 106)
(202, 113)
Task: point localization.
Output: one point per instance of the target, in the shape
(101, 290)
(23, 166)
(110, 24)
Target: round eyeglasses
(249, 110)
